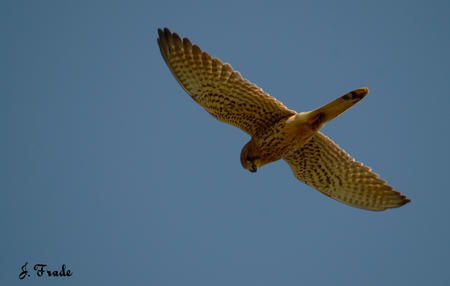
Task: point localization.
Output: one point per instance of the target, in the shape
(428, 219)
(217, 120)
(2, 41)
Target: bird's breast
(282, 138)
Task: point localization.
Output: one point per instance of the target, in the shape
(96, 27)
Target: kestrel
(276, 131)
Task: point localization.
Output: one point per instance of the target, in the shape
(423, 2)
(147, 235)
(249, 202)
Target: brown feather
(218, 88)
(326, 167)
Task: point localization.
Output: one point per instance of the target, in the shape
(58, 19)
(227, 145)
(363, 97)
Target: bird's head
(250, 158)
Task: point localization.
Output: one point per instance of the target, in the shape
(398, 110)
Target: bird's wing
(218, 88)
(326, 167)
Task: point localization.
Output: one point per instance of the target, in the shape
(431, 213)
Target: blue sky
(109, 167)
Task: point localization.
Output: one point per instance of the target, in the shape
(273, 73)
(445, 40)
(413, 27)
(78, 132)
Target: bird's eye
(251, 158)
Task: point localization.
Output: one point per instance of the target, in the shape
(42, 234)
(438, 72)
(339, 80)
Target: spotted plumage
(276, 131)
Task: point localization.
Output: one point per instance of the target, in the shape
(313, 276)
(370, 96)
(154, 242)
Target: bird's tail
(317, 118)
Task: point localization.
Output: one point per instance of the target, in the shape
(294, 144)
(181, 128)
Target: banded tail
(317, 118)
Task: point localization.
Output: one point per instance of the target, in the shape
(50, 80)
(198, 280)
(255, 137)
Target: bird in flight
(276, 131)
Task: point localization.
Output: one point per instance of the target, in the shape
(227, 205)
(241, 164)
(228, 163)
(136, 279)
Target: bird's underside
(278, 132)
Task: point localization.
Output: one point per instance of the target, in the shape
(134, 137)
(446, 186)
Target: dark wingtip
(404, 201)
(160, 33)
(163, 32)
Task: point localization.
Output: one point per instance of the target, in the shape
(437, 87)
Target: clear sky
(109, 167)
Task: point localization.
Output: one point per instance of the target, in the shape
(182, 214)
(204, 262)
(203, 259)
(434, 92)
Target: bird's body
(276, 131)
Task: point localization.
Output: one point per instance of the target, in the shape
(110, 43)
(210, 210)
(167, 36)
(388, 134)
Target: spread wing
(324, 166)
(218, 88)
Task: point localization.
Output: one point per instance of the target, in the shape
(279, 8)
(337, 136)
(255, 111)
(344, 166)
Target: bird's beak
(253, 169)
